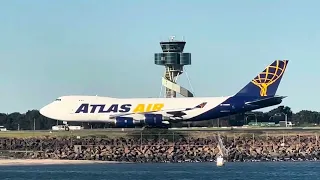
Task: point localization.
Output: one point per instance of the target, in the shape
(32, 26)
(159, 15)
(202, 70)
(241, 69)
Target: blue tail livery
(267, 82)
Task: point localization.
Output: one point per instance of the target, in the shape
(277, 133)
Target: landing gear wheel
(67, 128)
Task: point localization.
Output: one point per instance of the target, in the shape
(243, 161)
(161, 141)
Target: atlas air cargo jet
(157, 112)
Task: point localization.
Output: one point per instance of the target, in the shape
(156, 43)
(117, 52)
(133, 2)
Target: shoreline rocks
(241, 149)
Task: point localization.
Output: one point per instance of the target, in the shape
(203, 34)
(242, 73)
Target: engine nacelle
(124, 122)
(153, 119)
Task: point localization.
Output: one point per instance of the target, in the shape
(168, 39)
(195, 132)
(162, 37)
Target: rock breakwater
(190, 149)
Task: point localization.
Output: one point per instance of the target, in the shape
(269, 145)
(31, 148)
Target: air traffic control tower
(173, 59)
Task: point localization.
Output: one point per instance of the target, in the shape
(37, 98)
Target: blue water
(185, 171)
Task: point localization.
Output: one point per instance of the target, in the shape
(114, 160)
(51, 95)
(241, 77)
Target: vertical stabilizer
(267, 82)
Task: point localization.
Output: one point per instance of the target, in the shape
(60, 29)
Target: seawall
(241, 147)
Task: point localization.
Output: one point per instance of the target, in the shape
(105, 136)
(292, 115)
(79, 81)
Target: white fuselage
(99, 109)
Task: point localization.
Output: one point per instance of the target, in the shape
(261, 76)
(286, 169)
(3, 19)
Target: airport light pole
(285, 117)
(270, 118)
(249, 114)
(246, 118)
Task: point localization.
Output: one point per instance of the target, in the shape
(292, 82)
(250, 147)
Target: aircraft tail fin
(265, 83)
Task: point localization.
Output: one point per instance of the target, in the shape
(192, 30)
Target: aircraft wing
(264, 100)
(172, 112)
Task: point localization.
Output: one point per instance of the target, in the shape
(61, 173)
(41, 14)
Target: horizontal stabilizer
(265, 101)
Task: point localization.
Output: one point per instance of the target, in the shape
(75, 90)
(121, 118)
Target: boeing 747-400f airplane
(157, 112)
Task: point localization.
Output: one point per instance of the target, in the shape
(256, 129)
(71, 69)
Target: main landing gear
(66, 126)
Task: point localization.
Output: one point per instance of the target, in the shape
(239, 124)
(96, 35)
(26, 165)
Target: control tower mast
(173, 59)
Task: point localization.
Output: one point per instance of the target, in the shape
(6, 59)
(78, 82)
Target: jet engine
(150, 120)
(124, 122)
(153, 119)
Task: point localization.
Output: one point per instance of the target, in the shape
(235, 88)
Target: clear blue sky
(54, 48)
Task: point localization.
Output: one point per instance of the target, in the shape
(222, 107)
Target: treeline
(301, 118)
(34, 120)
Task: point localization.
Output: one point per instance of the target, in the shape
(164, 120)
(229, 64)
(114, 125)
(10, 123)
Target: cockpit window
(58, 99)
